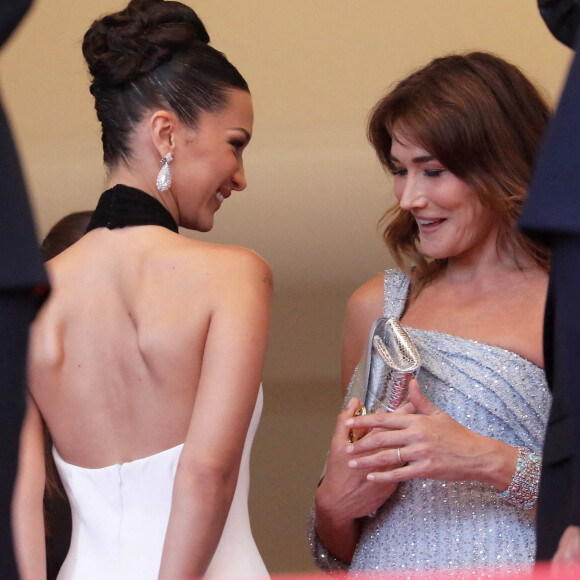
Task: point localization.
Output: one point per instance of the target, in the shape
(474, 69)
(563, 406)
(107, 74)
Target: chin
(206, 227)
(436, 255)
(199, 225)
(203, 228)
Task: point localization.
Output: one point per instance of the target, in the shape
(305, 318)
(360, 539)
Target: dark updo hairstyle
(483, 120)
(153, 54)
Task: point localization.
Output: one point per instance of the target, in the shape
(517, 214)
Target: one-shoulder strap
(396, 290)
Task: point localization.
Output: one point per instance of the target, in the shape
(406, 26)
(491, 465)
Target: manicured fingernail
(350, 448)
(349, 422)
(353, 463)
(371, 476)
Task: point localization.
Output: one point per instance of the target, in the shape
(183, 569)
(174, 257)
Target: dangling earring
(164, 176)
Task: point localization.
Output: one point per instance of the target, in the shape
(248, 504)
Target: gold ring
(355, 435)
(399, 455)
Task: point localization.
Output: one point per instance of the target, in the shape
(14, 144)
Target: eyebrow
(419, 159)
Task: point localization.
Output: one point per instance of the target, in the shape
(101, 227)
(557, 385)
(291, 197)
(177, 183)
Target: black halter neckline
(123, 206)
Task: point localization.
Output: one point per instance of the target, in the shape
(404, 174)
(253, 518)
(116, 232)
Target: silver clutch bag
(381, 380)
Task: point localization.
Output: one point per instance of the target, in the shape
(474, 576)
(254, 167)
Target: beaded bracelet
(523, 490)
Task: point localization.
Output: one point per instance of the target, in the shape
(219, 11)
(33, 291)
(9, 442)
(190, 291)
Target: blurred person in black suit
(22, 282)
(553, 214)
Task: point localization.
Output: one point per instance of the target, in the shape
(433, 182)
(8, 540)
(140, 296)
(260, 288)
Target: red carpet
(540, 572)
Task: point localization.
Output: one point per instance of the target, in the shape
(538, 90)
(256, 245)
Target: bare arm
(230, 377)
(364, 307)
(342, 496)
(27, 503)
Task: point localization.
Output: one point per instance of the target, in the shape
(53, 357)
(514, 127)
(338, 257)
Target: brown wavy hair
(483, 120)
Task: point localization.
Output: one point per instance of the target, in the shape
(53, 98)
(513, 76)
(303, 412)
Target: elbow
(208, 479)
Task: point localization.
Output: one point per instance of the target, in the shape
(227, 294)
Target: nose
(239, 182)
(410, 195)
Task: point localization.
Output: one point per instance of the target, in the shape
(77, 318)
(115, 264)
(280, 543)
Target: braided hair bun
(153, 53)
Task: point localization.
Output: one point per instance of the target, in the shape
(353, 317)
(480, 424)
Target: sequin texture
(429, 524)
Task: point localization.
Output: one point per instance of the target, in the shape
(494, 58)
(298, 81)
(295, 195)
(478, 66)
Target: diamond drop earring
(164, 176)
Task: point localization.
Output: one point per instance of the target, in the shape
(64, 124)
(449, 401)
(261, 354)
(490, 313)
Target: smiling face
(451, 220)
(208, 162)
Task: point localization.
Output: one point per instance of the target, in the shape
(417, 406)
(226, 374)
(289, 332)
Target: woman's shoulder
(239, 260)
(234, 264)
(365, 306)
(368, 295)
(371, 294)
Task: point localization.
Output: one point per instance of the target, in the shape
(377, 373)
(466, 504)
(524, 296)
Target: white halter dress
(120, 515)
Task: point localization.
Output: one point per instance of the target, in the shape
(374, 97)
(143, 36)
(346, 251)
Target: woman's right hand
(344, 493)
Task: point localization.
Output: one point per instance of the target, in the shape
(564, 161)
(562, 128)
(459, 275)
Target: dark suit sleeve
(21, 272)
(562, 17)
(552, 212)
(11, 13)
(20, 258)
(553, 204)
(565, 276)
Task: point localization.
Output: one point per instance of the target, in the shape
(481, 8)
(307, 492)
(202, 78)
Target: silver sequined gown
(429, 524)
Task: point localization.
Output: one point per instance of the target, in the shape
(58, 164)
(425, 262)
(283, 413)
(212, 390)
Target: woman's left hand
(429, 444)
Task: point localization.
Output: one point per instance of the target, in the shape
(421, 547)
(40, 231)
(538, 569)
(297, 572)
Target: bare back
(117, 353)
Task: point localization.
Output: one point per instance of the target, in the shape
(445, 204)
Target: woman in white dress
(146, 360)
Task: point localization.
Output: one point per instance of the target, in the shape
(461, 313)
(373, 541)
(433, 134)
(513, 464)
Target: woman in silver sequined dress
(449, 481)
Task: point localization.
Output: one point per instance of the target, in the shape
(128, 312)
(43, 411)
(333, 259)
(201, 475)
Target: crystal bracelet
(523, 489)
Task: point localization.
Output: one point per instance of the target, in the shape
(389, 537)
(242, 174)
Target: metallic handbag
(381, 380)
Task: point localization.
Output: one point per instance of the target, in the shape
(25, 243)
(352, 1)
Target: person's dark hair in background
(22, 281)
(65, 233)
